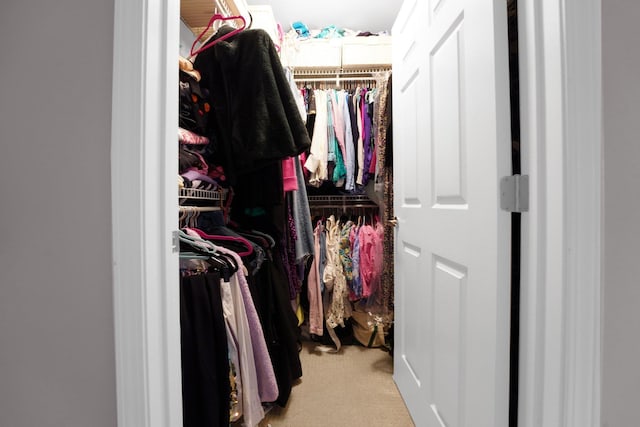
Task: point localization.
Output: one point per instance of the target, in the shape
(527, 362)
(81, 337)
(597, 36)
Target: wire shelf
(199, 194)
(339, 74)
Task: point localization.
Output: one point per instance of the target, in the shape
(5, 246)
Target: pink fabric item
(338, 122)
(289, 174)
(370, 259)
(374, 161)
(187, 137)
(360, 149)
(303, 159)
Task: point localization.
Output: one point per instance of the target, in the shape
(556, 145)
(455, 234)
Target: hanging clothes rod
(333, 79)
(200, 208)
(343, 207)
(342, 71)
(340, 202)
(349, 198)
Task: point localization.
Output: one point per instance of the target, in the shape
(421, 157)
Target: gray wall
(186, 40)
(56, 314)
(621, 92)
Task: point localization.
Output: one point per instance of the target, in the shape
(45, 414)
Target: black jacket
(256, 120)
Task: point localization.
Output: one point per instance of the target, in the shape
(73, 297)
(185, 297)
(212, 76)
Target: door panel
(451, 146)
(448, 308)
(449, 158)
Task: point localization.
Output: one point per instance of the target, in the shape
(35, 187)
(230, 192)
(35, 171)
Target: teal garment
(254, 212)
(340, 172)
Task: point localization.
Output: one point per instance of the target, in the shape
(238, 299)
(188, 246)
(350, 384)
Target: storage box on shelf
(343, 52)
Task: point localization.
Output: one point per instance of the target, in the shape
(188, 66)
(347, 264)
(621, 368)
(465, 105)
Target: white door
(451, 146)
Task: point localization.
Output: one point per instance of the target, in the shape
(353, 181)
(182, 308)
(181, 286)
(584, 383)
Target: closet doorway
(143, 215)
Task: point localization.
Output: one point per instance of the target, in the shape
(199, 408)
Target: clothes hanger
(244, 243)
(197, 244)
(196, 216)
(258, 240)
(214, 18)
(194, 255)
(182, 217)
(220, 261)
(270, 239)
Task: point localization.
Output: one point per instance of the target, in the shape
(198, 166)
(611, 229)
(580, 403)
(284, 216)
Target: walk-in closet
(363, 185)
(286, 221)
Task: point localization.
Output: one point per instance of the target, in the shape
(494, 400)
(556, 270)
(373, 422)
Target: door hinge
(514, 193)
(175, 242)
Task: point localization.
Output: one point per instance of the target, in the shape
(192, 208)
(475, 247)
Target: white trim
(561, 280)
(583, 172)
(144, 209)
(533, 241)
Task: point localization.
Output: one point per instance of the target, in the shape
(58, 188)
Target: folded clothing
(195, 179)
(187, 137)
(190, 160)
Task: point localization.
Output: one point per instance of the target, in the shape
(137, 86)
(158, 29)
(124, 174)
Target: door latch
(514, 193)
(175, 242)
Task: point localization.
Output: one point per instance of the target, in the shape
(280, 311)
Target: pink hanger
(240, 240)
(226, 36)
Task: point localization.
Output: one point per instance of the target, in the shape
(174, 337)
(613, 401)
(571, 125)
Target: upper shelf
(197, 13)
(345, 52)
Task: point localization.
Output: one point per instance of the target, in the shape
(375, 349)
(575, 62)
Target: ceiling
(357, 15)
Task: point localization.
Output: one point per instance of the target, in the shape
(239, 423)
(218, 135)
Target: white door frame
(560, 80)
(561, 103)
(144, 212)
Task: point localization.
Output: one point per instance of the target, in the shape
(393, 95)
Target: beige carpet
(350, 388)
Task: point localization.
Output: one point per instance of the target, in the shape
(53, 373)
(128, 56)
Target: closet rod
(333, 79)
(300, 71)
(371, 205)
(199, 208)
(335, 199)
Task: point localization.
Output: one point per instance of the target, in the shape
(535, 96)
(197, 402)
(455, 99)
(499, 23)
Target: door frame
(145, 212)
(561, 132)
(560, 55)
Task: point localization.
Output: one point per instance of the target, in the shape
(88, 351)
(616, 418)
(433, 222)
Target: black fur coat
(256, 119)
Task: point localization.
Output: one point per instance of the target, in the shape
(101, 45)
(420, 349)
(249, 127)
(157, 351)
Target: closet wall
(621, 250)
(56, 314)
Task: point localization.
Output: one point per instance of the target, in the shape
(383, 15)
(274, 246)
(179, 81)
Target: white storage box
(314, 53)
(374, 50)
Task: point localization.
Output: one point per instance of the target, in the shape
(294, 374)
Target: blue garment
(350, 161)
(323, 258)
(368, 137)
(304, 228)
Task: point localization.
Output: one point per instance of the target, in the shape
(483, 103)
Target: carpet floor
(351, 388)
